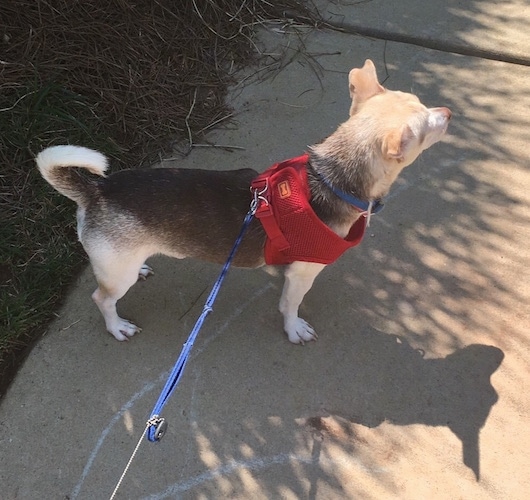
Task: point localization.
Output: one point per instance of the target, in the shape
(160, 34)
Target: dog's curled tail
(60, 165)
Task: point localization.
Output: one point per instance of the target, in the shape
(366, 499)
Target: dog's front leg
(299, 278)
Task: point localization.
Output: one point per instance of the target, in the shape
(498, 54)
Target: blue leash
(156, 425)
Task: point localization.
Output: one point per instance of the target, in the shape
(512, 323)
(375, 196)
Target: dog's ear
(363, 84)
(396, 142)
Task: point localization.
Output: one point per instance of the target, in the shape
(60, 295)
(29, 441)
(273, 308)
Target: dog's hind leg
(299, 278)
(115, 275)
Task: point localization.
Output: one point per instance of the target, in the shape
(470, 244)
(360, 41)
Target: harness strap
(294, 231)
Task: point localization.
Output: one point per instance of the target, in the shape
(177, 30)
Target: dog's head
(401, 125)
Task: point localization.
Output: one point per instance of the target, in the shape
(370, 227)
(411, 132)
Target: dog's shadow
(399, 385)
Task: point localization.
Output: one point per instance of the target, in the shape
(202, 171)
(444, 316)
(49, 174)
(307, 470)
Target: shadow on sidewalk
(403, 388)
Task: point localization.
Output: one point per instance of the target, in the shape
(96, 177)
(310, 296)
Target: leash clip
(160, 425)
(259, 196)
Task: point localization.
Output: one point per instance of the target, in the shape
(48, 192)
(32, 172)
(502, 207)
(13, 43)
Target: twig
(188, 117)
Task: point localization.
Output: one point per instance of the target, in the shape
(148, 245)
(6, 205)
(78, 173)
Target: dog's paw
(124, 330)
(300, 331)
(144, 272)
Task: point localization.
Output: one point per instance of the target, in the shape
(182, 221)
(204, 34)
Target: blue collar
(360, 205)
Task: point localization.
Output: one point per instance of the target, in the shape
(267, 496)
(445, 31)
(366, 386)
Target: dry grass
(127, 77)
(140, 63)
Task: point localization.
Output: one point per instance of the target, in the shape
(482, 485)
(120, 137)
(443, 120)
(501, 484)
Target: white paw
(144, 272)
(300, 331)
(124, 329)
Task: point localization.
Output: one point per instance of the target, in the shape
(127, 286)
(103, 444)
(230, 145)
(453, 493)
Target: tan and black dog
(126, 217)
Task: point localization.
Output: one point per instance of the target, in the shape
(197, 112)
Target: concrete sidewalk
(490, 29)
(418, 385)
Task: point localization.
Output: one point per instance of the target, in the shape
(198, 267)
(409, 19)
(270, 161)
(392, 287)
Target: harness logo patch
(284, 189)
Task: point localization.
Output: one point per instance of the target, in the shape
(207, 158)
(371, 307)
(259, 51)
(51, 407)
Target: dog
(130, 215)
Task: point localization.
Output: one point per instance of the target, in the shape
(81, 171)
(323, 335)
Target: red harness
(294, 232)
